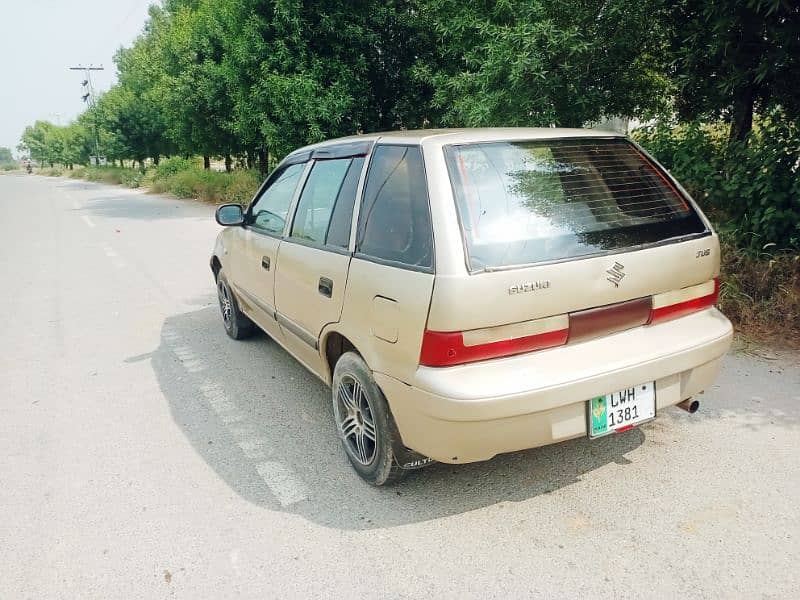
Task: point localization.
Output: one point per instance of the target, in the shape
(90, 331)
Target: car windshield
(533, 201)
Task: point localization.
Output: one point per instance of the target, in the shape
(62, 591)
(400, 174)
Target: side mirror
(229, 214)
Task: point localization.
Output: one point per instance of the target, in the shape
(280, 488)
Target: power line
(89, 98)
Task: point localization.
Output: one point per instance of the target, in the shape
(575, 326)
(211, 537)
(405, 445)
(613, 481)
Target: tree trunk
(228, 162)
(206, 162)
(742, 113)
(262, 160)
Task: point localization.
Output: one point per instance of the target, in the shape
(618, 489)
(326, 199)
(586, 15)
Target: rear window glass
(526, 202)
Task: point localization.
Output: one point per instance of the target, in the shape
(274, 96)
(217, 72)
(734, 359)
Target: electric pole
(89, 98)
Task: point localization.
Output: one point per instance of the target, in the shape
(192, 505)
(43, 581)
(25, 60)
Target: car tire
(237, 325)
(361, 412)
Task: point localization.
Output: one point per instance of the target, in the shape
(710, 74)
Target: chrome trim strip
(267, 308)
(299, 331)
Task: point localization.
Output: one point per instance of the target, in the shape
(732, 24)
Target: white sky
(40, 39)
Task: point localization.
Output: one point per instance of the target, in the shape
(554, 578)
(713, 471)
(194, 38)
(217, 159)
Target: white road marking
(280, 479)
(251, 448)
(230, 418)
(87, 220)
(282, 482)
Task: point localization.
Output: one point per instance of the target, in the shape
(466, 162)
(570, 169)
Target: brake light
(680, 309)
(446, 348)
(449, 348)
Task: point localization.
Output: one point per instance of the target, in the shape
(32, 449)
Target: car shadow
(244, 405)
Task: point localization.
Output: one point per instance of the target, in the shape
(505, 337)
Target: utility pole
(89, 98)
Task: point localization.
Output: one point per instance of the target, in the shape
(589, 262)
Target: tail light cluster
(448, 348)
(659, 314)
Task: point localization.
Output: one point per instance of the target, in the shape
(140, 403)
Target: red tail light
(445, 348)
(673, 311)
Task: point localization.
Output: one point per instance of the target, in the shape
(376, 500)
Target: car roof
(466, 135)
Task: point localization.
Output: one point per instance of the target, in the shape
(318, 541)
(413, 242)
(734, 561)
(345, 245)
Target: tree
(6, 158)
(546, 62)
(193, 87)
(733, 57)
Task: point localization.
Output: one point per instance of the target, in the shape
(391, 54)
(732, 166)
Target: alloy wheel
(356, 421)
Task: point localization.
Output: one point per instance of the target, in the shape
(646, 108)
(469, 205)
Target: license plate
(622, 410)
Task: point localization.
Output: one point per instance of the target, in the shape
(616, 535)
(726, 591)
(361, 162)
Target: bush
(752, 190)
(171, 166)
(131, 178)
(760, 291)
(210, 186)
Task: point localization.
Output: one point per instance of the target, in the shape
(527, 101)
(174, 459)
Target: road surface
(143, 454)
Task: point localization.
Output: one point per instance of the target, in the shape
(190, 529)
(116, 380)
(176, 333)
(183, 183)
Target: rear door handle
(265, 262)
(325, 287)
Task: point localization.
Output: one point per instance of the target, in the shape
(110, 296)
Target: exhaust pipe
(690, 405)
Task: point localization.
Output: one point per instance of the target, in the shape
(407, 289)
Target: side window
(339, 228)
(316, 202)
(270, 210)
(394, 222)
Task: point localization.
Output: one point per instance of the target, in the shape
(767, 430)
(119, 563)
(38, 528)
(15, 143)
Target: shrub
(752, 190)
(209, 186)
(113, 175)
(171, 166)
(760, 291)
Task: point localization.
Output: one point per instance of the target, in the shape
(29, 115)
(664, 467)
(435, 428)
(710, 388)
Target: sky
(41, 39)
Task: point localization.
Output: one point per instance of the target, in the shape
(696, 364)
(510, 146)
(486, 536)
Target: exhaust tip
(690, 405)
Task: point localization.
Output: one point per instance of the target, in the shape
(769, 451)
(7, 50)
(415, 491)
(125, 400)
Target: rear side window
(526, 202)
(342, 218)
(394, 221)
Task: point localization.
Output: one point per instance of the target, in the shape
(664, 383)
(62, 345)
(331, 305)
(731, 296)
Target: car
(471, 292)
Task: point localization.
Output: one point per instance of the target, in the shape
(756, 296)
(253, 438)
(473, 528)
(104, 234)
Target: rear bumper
(473, 412)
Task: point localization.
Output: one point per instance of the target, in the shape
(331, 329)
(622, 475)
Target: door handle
(265, 262)
(325, 287)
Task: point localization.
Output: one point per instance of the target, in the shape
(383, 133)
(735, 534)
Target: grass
(760, 294)
(179, 177)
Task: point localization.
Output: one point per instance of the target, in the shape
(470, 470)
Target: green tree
(546, 62)
(6, 158)
(193, 86)
(44, 142)
(733, 57)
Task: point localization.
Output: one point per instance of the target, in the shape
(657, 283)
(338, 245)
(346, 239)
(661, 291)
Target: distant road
(143, 454)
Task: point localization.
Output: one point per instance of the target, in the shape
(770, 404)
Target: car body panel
(482, 409)
(303, 311)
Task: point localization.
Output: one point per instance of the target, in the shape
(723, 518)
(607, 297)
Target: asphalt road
(143, 454)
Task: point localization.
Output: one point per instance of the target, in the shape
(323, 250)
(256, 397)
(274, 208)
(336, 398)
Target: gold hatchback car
(477, 291)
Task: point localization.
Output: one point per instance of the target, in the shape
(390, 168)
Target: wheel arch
(216, 266)
(334, 344)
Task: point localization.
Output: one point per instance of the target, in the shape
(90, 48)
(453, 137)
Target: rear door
(313, 260)
(554, 227)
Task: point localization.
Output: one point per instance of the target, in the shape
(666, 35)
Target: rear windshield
(526, 202)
